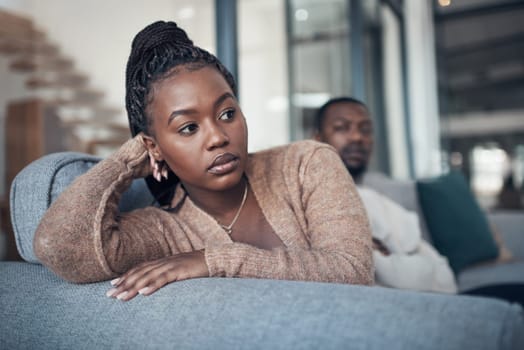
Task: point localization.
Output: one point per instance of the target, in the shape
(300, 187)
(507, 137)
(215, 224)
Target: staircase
(60, 111)
(53, 79)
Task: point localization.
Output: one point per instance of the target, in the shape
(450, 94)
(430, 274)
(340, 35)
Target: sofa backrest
(41, 182)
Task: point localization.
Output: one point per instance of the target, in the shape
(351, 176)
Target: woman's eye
(229, 114)
(188, 129)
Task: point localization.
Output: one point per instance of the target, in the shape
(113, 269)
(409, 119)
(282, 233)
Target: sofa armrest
(510, 224)
(41, 182)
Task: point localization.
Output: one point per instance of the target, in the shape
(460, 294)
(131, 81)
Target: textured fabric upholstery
(42, 312)
(38, 185)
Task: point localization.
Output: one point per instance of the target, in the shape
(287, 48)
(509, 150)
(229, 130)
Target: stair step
(70, 97)
(11, 46)
(57, 80)
(114, 127)
(18, 32)
(88, 114)
(88, 96)
(21, 34)
(8, 18)
(96, 138)
(106, 113)
(32, 63)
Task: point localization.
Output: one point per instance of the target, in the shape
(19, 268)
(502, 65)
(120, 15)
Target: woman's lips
(223, 163)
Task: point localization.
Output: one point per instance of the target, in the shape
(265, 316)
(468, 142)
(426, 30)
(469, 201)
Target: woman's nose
(217, 136)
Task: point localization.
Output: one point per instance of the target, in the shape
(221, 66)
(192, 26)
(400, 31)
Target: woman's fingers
(129, 285)
(148, 277)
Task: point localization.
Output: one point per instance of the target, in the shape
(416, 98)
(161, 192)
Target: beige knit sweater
(303, 189)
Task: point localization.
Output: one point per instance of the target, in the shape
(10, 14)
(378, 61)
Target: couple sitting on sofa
(403, 259)
(287, 213)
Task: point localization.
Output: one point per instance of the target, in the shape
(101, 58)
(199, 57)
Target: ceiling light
(301, 15)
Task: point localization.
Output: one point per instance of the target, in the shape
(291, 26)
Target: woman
(283, 213)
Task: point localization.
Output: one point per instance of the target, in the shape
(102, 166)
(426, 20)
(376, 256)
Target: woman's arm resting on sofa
(84, 222)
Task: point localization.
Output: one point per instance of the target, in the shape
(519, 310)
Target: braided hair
(156, 53)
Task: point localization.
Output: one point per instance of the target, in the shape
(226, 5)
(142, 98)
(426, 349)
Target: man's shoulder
(402, 192)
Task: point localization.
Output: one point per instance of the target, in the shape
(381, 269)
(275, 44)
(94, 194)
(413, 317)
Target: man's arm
(424, 270)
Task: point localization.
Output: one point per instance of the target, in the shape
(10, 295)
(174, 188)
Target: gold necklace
(229, 229)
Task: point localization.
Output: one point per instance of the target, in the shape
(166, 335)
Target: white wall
(263, 72)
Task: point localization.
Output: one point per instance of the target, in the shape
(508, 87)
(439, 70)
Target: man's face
(348, 127)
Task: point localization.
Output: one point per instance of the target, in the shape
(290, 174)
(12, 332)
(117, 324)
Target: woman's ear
(152, 147)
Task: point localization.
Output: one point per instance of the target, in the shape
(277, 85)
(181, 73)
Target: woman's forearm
(71, 235)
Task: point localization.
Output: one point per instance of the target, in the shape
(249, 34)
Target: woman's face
(199, 129)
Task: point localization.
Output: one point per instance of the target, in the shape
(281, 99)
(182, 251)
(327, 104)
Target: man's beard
(356, 171)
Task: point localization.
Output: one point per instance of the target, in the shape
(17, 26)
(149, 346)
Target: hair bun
(159, 33)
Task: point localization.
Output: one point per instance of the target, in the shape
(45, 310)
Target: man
(402, 258)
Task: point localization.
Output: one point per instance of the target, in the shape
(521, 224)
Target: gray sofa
(38, 310)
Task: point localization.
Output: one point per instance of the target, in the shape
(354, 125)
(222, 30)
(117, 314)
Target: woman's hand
(150, 276)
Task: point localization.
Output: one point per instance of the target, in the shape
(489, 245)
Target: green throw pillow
(458, 227)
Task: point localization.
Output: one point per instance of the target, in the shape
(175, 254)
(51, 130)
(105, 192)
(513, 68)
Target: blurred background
(444, 79)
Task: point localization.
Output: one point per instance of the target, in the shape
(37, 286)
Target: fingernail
(144, 290)
(110, 292)
(121, 295)
(115, 281)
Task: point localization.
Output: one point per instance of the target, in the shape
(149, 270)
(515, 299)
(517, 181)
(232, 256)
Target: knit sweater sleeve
(84, 238)
(338, 234)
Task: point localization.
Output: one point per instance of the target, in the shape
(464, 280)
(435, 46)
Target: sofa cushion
(509, 224)
(38, 184)
(491, 274)
(458, 227)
